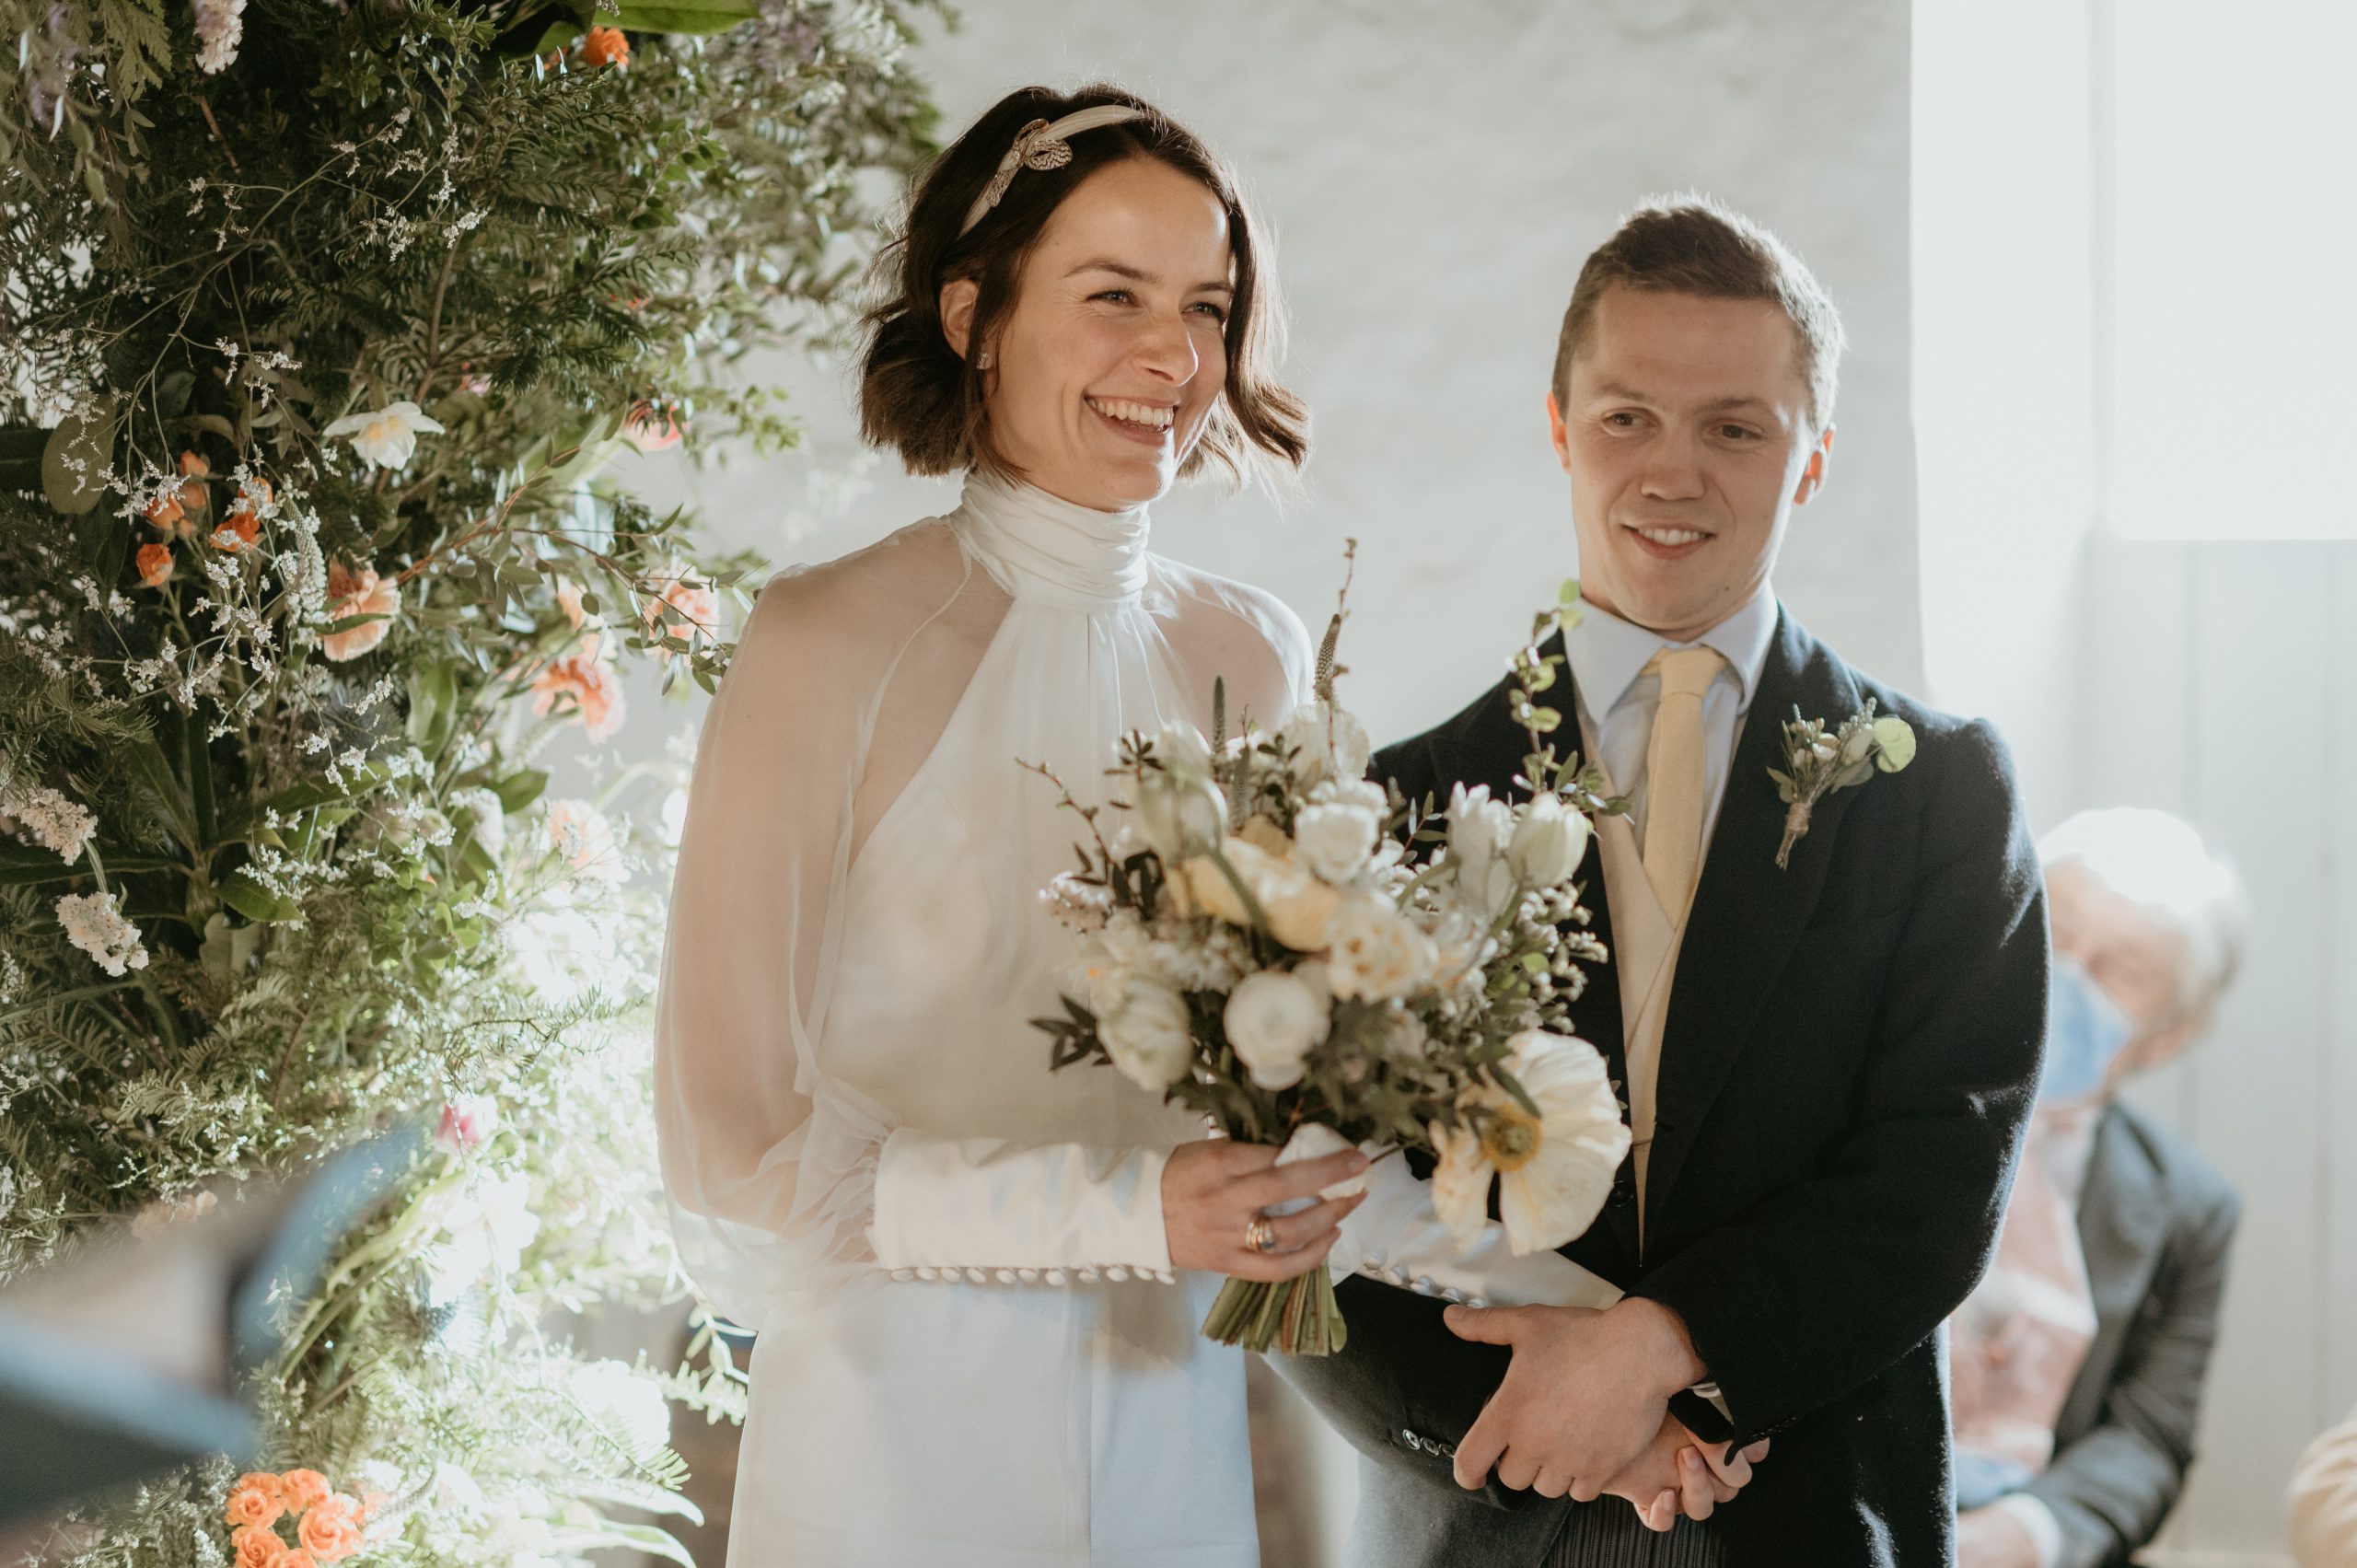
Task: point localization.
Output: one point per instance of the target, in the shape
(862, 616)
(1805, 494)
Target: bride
(977, 1284)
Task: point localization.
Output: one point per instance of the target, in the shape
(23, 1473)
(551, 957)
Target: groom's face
(1684, 428)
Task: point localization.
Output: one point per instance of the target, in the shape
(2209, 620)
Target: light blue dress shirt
(1616, 698)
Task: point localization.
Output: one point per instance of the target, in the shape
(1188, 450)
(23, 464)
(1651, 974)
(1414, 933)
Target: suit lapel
(2123, 1225)
(1748, 914)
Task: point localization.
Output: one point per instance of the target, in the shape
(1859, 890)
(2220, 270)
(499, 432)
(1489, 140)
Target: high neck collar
(1040, 547)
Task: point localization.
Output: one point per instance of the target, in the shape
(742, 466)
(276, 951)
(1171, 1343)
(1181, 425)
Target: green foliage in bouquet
(320, 324)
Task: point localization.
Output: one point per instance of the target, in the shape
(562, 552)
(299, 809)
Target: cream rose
(1379, 954)
(1147, 1034)
(1335, 840)
(1274, 1022)
(1297, 905)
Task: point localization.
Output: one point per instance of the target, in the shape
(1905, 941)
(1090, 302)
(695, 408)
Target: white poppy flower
(1554, 1173)
(387, 436)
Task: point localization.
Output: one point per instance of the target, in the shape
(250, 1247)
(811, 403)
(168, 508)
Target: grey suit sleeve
(2111, 1489)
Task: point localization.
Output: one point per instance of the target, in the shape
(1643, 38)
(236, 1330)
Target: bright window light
(2233, 275)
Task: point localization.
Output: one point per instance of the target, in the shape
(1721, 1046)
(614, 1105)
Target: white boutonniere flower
(1817, 762)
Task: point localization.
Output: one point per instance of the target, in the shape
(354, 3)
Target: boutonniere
(1817, 762)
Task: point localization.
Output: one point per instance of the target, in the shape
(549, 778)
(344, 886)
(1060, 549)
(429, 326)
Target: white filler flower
(387, 436)
(1553, 1171)
(94, 925)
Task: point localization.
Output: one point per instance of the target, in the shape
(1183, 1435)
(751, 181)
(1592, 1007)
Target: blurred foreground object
(126, 1360)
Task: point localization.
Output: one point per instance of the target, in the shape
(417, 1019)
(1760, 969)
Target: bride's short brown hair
(920, 397)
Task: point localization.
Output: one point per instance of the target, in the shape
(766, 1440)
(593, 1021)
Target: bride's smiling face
(1115, 349)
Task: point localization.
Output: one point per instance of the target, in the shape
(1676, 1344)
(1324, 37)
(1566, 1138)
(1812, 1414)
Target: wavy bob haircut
(921, 397)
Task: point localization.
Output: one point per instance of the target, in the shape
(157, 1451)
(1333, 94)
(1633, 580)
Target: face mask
(2085, 1029)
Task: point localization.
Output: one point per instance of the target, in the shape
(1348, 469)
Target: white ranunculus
(1328, 743)
(1335, 840)
(1379, 954)
(1548, 843)
(1274, 1022)
(387, 436)
(1479, 830)
(1147, 1032)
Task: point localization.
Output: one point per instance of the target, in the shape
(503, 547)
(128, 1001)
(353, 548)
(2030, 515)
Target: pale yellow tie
(1674, 776)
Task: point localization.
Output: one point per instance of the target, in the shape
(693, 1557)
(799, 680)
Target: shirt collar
(1608, 655)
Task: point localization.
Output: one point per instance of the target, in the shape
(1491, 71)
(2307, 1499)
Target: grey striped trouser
(1607, 1533)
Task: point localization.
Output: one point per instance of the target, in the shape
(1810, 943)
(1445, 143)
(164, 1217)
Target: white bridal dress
(972, 1350)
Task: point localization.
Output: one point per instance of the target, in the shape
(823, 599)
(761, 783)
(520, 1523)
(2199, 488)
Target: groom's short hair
(1696, 244)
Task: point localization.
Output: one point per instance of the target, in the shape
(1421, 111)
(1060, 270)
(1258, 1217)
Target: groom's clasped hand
(1585, 1411)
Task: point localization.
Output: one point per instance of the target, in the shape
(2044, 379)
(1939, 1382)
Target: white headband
(1042, 145)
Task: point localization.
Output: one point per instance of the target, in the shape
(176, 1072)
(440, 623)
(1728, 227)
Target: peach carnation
(304, 1488)
(331, 1531)
(692, 600)
(255, 1545)
(604, 46)
(596, 695)
(351, 594)
(155, 565)
(254, 1504)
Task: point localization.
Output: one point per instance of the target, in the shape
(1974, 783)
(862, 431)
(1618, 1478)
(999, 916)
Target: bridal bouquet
(1258, 940)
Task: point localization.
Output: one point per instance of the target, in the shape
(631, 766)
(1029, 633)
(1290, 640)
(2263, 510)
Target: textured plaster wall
(1435, 174)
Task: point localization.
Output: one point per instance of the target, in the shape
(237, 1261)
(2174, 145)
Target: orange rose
(604, 46)
(155, 565)
(238, 531)
(361, 594)
(304, 1488)
(255, 1544)
(193, 466)
(331, 1531)
(166, 514)
(293, 1557)
(254, 494)
(595, 694)
(252, 1505)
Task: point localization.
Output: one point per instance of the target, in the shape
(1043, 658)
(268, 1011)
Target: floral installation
(1257, 940)
(1818, 760)
(325, 327)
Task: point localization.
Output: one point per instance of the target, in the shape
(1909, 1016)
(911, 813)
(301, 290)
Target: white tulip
(1147, 1034)
(1479, 830)
(1179, 817)
(1548, 843)
(1274, 1022)
(387, 437)
(1328, 743)
(1335, 840)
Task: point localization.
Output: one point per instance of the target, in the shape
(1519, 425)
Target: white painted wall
(1435, 175)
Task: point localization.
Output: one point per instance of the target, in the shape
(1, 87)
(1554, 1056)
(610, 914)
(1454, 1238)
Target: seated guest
(2078, 1362)
(2324, 1500)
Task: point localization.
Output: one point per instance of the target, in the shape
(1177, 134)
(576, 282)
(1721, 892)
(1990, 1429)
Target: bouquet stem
(1296, 1316)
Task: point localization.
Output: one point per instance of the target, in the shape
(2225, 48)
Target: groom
(1826, 1066)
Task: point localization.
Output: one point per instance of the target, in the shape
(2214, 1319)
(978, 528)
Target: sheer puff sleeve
(786, 1185)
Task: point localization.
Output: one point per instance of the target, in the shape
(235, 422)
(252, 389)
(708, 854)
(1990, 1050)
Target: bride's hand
(1212, 1191)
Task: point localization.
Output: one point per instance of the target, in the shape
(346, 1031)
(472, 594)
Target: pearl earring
(982, 360)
